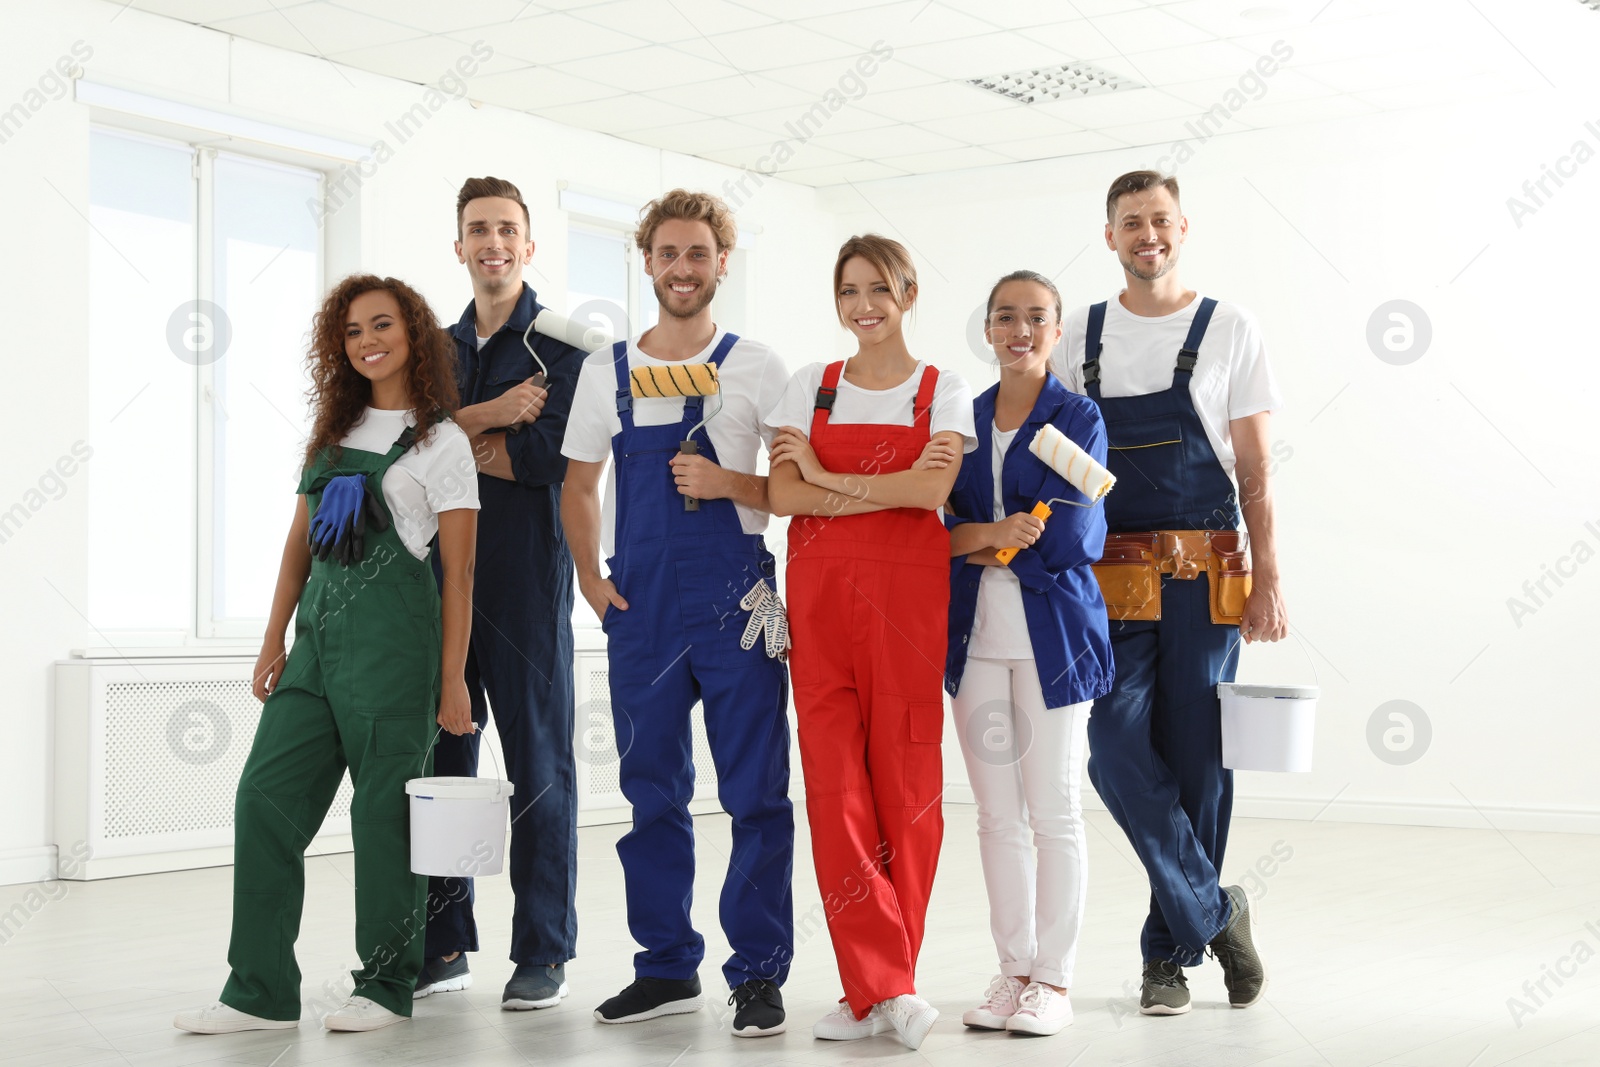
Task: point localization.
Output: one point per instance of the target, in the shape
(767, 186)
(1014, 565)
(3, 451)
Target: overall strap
(827, 392)
(1091, 349)
(922, 406)
(693, 404)
(1189, 354)
(619, 362)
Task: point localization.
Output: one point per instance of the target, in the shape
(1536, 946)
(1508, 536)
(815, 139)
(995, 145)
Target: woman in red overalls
(866, 451)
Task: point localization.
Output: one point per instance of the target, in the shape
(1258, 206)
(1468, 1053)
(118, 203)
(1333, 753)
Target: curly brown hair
(339, 394)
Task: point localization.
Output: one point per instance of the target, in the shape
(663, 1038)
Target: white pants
(1025, 764)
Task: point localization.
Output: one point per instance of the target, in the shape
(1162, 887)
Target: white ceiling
(725, 79)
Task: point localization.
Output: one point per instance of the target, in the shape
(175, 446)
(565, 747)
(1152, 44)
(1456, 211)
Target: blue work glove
(339, 526)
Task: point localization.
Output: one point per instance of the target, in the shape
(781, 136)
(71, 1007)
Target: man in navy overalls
(520, 660)
(1183, 384)
(689, 593)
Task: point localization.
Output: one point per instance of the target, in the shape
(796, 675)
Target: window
(205, 269)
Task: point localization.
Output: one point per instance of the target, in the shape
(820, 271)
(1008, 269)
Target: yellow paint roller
(679, 379)
(1062, 455)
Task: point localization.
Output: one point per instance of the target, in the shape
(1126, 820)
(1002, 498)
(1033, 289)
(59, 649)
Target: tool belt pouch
(1129, 579)
(1228, 573)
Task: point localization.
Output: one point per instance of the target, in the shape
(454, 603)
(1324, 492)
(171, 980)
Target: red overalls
(868, 611)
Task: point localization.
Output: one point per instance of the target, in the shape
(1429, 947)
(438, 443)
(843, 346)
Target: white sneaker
(841, 1024)
(1041, 1011)
(999, 1004)
(912, 1016)
(360, 1014)
(218, 1018)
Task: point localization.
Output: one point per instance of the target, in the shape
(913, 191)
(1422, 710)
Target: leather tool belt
(1130, 571)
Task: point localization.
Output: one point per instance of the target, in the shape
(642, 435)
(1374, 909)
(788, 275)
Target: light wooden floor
(1386, 945)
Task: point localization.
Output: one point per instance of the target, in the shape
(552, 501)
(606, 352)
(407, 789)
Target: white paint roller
(1062, 455)
(585, 338)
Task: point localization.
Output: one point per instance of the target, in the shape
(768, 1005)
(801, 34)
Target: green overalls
(360, 689)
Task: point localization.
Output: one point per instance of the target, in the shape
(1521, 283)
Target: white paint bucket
(458, 825)
(1268, 727)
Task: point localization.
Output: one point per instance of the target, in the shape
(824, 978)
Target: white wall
(406, 213)
(1418, 498)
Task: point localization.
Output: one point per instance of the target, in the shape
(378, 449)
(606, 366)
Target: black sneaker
(440, 975)
(1242, 970)
(1166, 990)
(760, 1009)
(535, 985)
(649, 998)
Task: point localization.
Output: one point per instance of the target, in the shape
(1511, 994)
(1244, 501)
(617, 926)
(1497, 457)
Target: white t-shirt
(1231, 378)
(750, 381)
(437, 474)
(952, 403)
(1000, 627)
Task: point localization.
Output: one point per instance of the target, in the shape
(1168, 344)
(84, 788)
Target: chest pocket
(1137, 434)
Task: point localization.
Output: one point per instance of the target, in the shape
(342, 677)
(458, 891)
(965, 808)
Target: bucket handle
(1297, 640)
(499, 773)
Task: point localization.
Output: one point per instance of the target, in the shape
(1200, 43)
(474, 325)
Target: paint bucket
(458, 825)
(1268, 727)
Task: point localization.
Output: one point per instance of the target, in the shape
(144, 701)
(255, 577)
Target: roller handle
(537, 378)
(1041, 510)
(689, 448)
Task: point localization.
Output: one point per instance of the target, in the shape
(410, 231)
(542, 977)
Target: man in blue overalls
(1183, 383)
(690, 588)
(515, 412)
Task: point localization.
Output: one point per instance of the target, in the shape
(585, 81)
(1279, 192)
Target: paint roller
(679, 380)
(579, 336)
(1062, 455)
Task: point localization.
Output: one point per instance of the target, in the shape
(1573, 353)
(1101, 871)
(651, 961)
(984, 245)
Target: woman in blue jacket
(1028, 653)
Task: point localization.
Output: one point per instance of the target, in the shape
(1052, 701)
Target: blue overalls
(683, 574)
(520, 657)
(1155, 742)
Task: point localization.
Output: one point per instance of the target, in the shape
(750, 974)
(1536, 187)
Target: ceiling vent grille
(1062, 82)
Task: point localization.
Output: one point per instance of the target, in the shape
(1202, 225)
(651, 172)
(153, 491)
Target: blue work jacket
(1060, 597)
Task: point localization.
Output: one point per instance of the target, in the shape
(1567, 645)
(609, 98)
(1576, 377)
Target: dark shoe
(1242, 970)
(535, 985)
(649, 998)
(442, 976)
(1166, 991)
(760, 1009)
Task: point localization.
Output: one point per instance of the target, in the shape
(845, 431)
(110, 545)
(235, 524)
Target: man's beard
(702, 298)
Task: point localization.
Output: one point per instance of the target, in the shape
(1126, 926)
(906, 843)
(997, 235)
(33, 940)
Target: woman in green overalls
(385, 472)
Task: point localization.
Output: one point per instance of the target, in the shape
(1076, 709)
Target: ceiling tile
(430, 16)
(992, 53)
(1114, 109)
(647, 68)
(203, 12)
(1239, 18)
(726, 95)
(1013, 14)
(1287, 112)
(865, 170)
(535, 88)
(315, 29)
(947, 159)
(940, 100)
(782, 121)
(1283, 85)
(798, 156)
(618, 113)
(665, 23)
(1078, 40)
(425, 60)
(556, 38)
(1146, 30)
(845, 75)
(696, 137)
(785, 9)
(1070, 144)
(900, 25)
(1192, 62)
(766, 47)
(1172, 130)
(898, 139)
(1011, 124)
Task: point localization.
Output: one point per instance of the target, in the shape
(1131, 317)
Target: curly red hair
(339, 394)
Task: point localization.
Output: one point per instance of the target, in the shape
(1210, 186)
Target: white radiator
(600, 798)
(147, 757)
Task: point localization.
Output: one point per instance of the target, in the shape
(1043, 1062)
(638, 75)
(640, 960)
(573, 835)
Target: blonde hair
(693, 207)
(884, 253)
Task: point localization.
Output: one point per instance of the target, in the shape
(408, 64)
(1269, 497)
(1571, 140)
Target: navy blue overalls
(1155, 742)
(683, 574)
(520, 657)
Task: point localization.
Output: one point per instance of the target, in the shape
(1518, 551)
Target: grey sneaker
(1166, 991)
(535, 985)
(1242, 970)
